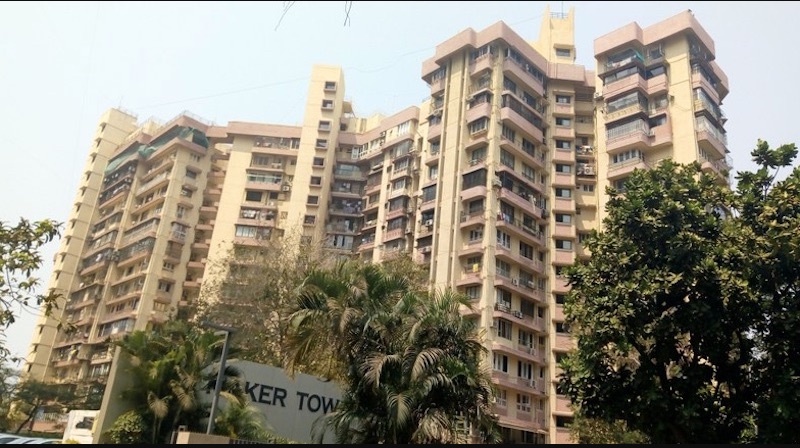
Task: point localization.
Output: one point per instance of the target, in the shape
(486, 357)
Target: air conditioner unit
(408, 229)
(277, 165)
(286, 188)
(437, 113)
(514, 281)
(588, 169)
(382, 134)
(429, 222)
(651, 133)
(425, 250)
(517, 314)
(497, 183)
(410, 210)
(470, 97)
(530, 284)
(598, 95)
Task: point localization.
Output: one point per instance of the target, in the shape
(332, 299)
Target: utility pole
(220, 374)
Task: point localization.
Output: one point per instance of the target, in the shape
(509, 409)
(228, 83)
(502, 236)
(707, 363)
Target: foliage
(33, 396)
(170, 368)
(258, 286)
(770, 219)
(240, 420)
(661, 312)
(409, 364)
(20, 256)
(590, 431)
(687, 314)
(129, 428)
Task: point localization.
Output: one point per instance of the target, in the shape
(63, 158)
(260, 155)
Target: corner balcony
(523, 288)
(528, 156)
(508, 115)
(528, 322)
(523, 352)
(720, 168)
(479, 110)
(472, 218)
(710, 138)
(478, 191)
(513, 68)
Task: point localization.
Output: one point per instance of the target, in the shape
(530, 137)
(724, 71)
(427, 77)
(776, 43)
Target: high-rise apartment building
(492, 184)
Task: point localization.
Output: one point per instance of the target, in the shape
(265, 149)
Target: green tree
(662, 312)
(254, 293)
(170, 368)
(243, 421)
(33, 396)
(409, 364)
(770, 223)
(591, 431)
(20, 256)
(129, 428)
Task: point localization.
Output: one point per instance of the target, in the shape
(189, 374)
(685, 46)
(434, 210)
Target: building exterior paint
(492, 184)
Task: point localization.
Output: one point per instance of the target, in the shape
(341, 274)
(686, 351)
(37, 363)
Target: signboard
(80, 426)
(290, 406)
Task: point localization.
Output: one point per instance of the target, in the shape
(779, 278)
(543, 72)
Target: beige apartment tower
(491, 184)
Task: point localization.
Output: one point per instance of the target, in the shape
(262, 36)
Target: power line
(286, 7)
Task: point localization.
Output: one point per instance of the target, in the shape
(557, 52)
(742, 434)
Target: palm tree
(170, 367)
(408, 362)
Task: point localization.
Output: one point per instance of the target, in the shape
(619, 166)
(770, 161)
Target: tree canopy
(410, 366)
(20, 257)
(689, 305)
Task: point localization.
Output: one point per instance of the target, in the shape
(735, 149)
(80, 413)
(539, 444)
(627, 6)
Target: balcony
(710, 138)
(153, 183)
(560, 284)
(479, 110)
(585, 199)
(633, 109)
(629, 136)
(528, 322)
(508, 115)
(470, 275)
(623, 85)
(661, 135)
(526, 353)
(563, 179)
(563, 205)
(563, 108)
(563, 436)
(563, 257)
(478, 191)
(513, 68)
(563, 155)
(518, 149)
(720, 168)
(519, 229)
(564, 132)
(471, 218)
(524, 288)
(563, 405)
(623, 169)
(564, 342)
(393, 234)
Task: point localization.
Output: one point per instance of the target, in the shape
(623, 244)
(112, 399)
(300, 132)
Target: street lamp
(218, 386)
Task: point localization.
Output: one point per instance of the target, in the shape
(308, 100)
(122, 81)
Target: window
(563, 422)
(180, 211)
(327, 104)
(500, 362)
(564, 244)
(563, 144)
(476, 234)
(563, 218)
(561, 299)
(191, 174)
(316, 180)
(563, 193)
(503, 299)
(627, 155)
(526, 250)
(503, 328)
(404, 128)
(433, 172)
(319, 161)
(195, 157)
(473, 292)
(563, 52)
(523, 402)
(309, 219)
(187, 193)
(322, 143)
(582, 237)
(561, 327)
(503, 239)
(524, 369)
(164, 286)
(399, 184)
(563, 121)
(435, 147)
(478, 125)
(507, 158)
(563, 169)
(246, 231)
(587, 187)
(563, 99)
(253, 196)
(313, 200)
(474, 179)
(259, 160)
(330, 85)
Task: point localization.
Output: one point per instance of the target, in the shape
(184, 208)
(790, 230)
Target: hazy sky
(63, 64)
